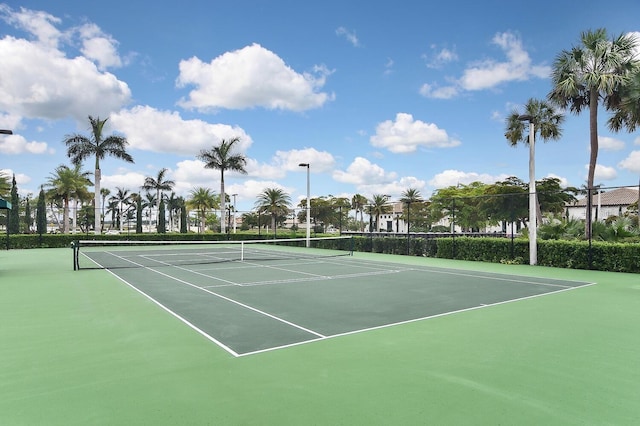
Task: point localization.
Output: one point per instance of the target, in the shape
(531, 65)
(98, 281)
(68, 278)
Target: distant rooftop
(616, 197)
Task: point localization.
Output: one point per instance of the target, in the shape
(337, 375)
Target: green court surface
(369, 339)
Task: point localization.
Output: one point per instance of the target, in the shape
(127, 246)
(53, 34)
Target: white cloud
(41, 24)
(126, 180)
(320, 161)
(564, 182)
(164, 131)
(21, 178)
(405, 135)
(251, 77)
(40, 81)
(610, 144)
(435, 92)
(454, 177)
(489, 73)
(636, 141)
(370, 179)
(603, 172)
(632, 162)
(99, 46)
(440, 57)
(361, 171)
(350, 36)
(17, 144)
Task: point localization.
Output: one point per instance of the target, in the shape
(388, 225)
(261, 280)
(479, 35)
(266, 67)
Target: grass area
(82, 348)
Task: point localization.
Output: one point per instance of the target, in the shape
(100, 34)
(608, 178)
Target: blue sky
(377, 96)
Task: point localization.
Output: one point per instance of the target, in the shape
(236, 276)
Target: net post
(74, 248)
(241, 251)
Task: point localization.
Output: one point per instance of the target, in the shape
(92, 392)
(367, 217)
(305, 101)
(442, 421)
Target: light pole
(234, 212)
(533, 221)
(308, 204)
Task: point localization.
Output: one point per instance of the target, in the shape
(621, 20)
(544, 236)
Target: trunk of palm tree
(222, 203)
(96, 222)
(593, 155)
(65, 216)
(74, 217)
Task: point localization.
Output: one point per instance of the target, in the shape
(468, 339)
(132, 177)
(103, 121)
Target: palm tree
(80, 147)
(104, 193)
(122, 197)
(202, 200)
(378, 207)
(273, 201)
(595, 71)
(173, 206)
(546, 125)
(150, 201)
(65, 183)
(358, 202)
(221, 158)
(160, 184)
(411, 195)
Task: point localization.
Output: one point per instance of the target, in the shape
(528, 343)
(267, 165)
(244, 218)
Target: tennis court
(252, 297)
(81, 347)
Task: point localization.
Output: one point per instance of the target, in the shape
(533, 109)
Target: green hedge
(615, 257)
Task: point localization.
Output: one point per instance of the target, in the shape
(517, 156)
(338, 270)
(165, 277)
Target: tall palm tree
(379, 206)
(221, 158)
(596, 70)
(80, 147)
(173, 206)
(202, 200)
(358, 202)
(408, 197)
(546, 125)
(159, 184)
(273, 201)
(66, 183)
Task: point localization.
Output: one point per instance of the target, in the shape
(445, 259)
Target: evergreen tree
(162, 224)
(139, 214)
(14, 214)
(27, 216)
(183, 218)
(41, 214)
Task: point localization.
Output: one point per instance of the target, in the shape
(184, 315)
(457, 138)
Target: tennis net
(113, 254)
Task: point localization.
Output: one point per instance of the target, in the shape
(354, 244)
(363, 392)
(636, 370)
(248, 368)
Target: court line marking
(244, 305)
(443, 314)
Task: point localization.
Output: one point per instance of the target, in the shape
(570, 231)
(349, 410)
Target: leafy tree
(202, 200)
(41, 213)
(221, 158)
(598, 70)
(274, 202)
(159, 184)
(80, 147)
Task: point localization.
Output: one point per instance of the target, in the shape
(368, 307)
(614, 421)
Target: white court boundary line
(490, 275)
